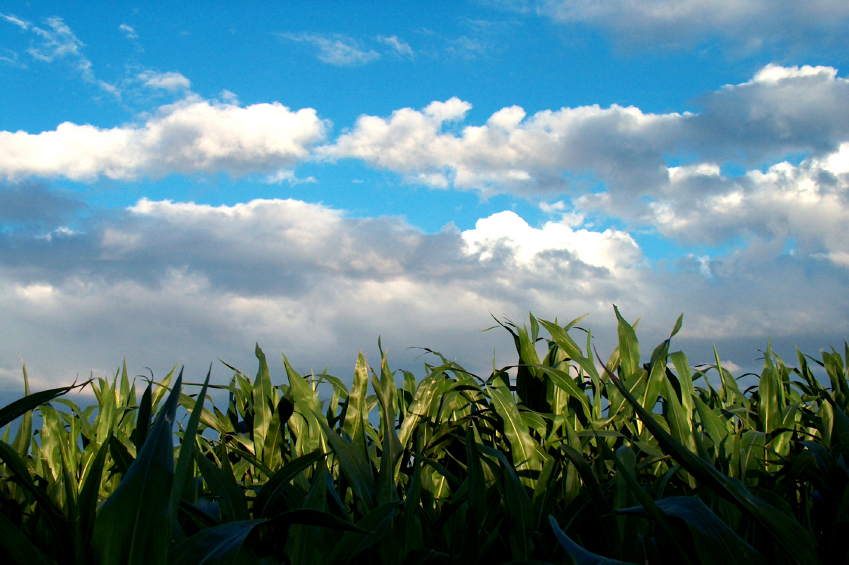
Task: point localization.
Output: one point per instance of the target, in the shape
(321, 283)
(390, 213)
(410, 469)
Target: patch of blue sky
(664, 252)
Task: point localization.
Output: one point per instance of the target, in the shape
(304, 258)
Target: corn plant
(575, 459)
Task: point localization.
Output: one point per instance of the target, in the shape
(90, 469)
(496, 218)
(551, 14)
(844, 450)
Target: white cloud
(176, 282)
(337, 49)
(169, 81)
(128, 31)
(12, 19)
(58, 41)
(747, 24)
(613, 250)
(808, 202)
(511, 153)
(780, 112)
(288, 176)
(399, 46)
(191, 136)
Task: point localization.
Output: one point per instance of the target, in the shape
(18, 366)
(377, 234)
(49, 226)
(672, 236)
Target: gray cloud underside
(166, 282)
(744, 24)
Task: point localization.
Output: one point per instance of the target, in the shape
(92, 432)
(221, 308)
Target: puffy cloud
(808, 203)
(779, 112)
(511, 152)
(337, 49)
(191, 136)
(681, 23)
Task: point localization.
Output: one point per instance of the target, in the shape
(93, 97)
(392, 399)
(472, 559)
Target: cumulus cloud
(676, 23)
(191, 136)
(510, 152)
(808, 203)
(337, 49)
(167, 282)
(780, 112)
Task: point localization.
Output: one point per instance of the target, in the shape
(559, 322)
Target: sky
(181, 181)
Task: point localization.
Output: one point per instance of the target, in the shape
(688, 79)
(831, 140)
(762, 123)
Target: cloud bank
(167, 282)
(191, 136)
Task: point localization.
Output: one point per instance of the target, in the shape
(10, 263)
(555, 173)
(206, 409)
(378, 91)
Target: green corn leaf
(19, 547)
(184, 470)
(787, 532)
(120, 454)
(143, 417)
(578, 553)
(132, 526)
(307, 405)
(267, 497)
(682, 366)
(28, 403)
(23, 437)
(222, 484)
(391, 447)
(261, 396)
(375, 524)
(522, 446)
(218, 545)
(356, 414)
(564, 382)
(715, 541)
(90, 492)
(420, 407)
(629, 348)
(356, 468)
(643, 498)
(18, 467)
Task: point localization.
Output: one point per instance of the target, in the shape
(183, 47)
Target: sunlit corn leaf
(23, 437)
(391, 447)
(29, 402)
(787, 532)
(629, 347)
(356, 468)
(522, 446)
(356, 414)
(132, 526)
(261, 402)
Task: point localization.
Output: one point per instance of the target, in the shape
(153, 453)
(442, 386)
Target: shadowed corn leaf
(578, 553)
(132, 527)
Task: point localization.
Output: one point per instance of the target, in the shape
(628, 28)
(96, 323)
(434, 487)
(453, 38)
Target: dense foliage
(570, 460)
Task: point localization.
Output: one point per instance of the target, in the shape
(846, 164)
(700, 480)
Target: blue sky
(180, 181)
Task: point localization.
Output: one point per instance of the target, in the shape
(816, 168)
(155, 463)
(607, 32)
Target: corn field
(574, 459)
